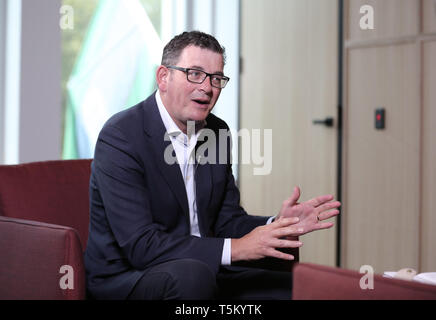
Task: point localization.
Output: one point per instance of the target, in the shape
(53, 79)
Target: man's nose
(205, 85)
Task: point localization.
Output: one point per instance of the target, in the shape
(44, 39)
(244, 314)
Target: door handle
(328, 122)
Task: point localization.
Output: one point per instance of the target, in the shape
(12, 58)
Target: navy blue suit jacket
(139, 214)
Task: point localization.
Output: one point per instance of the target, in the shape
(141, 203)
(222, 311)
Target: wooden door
(289, 78)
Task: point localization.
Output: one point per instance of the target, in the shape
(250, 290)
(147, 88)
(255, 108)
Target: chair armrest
(32, 254)
(317, 282)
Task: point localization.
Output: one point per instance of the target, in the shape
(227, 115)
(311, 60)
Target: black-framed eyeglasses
(198, 76)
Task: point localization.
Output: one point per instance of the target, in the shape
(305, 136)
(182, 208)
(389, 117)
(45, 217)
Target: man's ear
(162, 77)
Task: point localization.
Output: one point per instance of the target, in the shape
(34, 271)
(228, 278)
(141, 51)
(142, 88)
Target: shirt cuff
(270, 220)
(226, 259)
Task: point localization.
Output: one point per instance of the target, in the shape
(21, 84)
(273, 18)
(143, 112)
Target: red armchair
(317, 282)
(45, 209)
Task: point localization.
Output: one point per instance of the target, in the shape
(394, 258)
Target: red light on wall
(380, 119)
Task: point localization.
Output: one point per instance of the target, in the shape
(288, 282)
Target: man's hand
(263, 241)
(311, 212)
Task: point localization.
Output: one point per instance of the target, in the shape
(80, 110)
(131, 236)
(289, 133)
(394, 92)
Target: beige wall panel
(290, 78)
(428, 250)
(429, 16)
(254, 22)
(382, 166)
(391, 18)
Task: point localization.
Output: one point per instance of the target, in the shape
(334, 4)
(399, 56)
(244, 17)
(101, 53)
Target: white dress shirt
(184, 145)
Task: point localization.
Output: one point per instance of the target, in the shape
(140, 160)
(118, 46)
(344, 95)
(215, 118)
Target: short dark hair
(174, 48)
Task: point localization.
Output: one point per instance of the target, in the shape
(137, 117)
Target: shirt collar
(168, 122)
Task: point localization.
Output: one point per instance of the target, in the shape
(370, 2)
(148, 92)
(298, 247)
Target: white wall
(32, 111)
(2, 64)
(40, 98)
(10, 80)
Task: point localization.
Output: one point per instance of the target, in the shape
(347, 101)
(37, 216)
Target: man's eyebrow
(202, 69)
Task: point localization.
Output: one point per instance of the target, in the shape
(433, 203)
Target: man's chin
(195, 125)
(198, 107)
(200, 114)
(198, 117)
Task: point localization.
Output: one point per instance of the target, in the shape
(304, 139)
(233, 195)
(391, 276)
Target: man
(163, 229)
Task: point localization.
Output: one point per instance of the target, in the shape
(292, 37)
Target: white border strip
(12, 82)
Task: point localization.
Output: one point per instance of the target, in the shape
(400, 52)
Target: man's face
(187, 101)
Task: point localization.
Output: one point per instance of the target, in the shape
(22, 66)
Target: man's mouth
(201, 101)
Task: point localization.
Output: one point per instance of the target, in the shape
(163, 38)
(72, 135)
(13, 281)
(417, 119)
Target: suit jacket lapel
(203, 184)
(203, 181)
(155, 130)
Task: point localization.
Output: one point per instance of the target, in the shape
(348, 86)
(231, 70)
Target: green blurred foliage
(72, 39)
(153, 9)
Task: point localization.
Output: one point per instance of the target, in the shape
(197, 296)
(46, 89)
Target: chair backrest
(55, 192)
(40, 261)
(317, 282)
